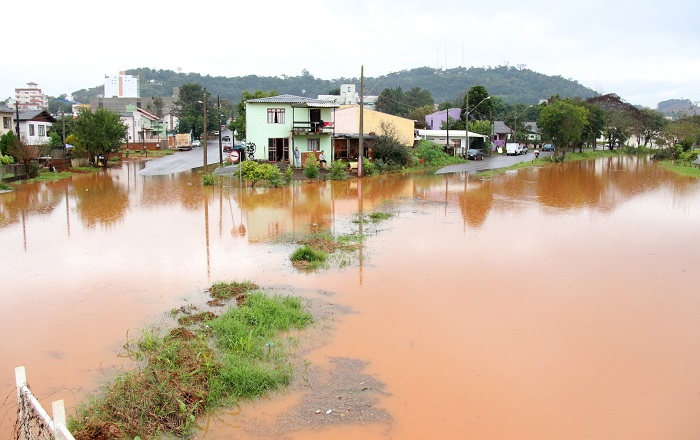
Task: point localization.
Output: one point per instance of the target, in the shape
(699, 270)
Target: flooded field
(553, 302)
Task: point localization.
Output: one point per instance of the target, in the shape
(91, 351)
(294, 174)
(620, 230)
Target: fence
(33, 422)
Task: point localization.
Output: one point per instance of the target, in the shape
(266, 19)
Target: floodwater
(548, 303)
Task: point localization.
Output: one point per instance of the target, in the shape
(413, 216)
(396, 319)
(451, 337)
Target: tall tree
(391, 101)
(562, 123)
(100, 132)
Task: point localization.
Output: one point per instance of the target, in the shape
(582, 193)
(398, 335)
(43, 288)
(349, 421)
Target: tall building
(31, 98)
(122, 86)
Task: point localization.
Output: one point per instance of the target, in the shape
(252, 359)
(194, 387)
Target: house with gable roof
(277, 124)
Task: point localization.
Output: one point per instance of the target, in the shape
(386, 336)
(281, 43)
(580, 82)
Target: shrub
(255, 172)
(311, 169)
(208, 179)
(663, 154)
(686, 157)
(337, 171)
(369, 168)
(433, 155)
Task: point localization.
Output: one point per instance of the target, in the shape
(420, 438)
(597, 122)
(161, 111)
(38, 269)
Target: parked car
(523, 149)
(226, 139)
(475, 154)
(230, 147)
(547, 147)
(196, 143)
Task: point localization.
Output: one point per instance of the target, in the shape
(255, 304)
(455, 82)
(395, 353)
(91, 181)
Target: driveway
(489, 163)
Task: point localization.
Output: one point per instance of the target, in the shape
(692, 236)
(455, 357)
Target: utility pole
(218, 117)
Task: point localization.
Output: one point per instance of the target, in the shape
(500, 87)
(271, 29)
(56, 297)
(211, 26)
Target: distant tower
(179, 69)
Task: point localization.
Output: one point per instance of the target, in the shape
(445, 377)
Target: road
(183, 160)
(489, 163)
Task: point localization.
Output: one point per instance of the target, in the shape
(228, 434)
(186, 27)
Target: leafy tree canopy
(99, 132)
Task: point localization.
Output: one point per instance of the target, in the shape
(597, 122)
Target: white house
(454, 140)
(34, 126)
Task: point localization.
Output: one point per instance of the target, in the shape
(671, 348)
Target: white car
(196, 143)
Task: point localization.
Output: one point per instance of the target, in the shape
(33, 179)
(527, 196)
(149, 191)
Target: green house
(278, 124)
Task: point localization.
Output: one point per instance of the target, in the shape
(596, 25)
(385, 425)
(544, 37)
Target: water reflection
(97, 254)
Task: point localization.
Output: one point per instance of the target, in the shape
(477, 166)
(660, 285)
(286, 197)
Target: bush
(208, 179)
(686, 157)
(433, 155)
(369, 168)
(311, 167)
(664, 154)
(255, 172)
(33, 169)
(337, 170)
(307, 253)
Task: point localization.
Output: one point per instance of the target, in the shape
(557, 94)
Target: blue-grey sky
(645, 51)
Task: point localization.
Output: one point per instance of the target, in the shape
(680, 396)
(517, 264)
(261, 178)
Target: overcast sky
(646, 51)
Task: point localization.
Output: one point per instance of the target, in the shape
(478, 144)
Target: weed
(307, 253)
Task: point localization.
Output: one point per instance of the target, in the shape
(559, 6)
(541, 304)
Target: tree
(238, 123)
(190, 111)
(563, 123)
(391, 101)
(417, 98)
(388, 148)
(419, 114)
(649, 126)
(100, 132)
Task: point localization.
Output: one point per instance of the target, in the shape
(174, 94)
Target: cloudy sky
(646, 51)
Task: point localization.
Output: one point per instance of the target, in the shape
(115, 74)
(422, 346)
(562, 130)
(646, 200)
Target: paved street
(183, 160)
(489, 163)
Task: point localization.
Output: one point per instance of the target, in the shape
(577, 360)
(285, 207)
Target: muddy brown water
(553, 302)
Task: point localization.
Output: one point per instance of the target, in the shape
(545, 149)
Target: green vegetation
(373, 217)
(337, 170)
(429, 154)
(99, 133)
(308, 257)
(208, 179)
(254, 172)
(240, 354)
(684, 170)
(311, 167)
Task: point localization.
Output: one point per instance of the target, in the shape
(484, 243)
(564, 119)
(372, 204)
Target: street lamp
(466, 123)
(515, 123)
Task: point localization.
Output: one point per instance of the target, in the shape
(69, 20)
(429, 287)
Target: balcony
(306, 127)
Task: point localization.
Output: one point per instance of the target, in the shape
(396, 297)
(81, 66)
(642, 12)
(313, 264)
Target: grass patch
(51, 176)
(308, 258)
(683, 170)
(241, 354)
(208, 179)
(373, 217)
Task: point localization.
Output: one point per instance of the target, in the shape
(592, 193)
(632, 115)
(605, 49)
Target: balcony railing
(306, 127)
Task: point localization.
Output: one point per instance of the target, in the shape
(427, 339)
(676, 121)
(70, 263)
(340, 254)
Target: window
(6, 122)
(42, 130)
(275, 116)
(31, 129)
(313, 144)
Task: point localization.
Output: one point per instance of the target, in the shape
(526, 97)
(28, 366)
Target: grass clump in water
(188, 371)
(306, 257)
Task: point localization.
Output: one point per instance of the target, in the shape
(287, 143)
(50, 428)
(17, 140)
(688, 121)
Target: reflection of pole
(362, 128)
(360, 209)
(204, 136)
(206, 232)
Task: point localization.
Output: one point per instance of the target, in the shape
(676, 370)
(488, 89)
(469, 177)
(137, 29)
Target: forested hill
(513, 85)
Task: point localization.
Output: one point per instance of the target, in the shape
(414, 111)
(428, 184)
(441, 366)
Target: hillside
(512, 84)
